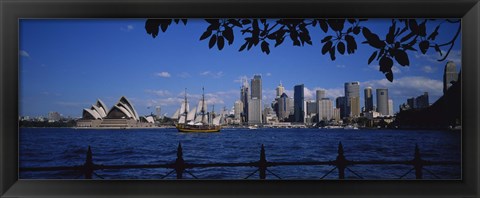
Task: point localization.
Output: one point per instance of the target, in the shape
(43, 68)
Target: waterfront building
(411, 103)
(336, 114)
(311, 107)
(320, 94)
(390, 107)
(280, 89)
(352, 90)
(283, 108)
(54, 116)
(422, 101)
(298, 98)
(325, 109)
(382, 101)
(255, 101)
(450, 75)
(368, 99)
(340, 104)
(238, 109)
(244, 98)
(121, 115)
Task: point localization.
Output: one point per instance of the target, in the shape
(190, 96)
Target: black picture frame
(11, 11)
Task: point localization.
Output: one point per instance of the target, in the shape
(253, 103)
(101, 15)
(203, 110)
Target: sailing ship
(197, 120)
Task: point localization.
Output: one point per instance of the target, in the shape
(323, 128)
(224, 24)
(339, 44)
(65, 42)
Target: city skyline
(67, 64)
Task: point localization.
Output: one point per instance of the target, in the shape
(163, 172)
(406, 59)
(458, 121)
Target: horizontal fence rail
(180, 166)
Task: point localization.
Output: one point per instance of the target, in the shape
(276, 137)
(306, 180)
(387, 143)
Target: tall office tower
(238, 109)
(320, 94)
(450, 75)
(256, 87)
(390, 107)
(411, 103)
(311, 107)
(280, 89)
(382, 101)
(355, 107)
(298, 97)
(336, 114)
(340, 104)
(325, 109)
(368, 99)
(291, 106)
(352, 89)
(283, 109)
(245, 97)
(158, 112)
(255, 102)
(422, 101)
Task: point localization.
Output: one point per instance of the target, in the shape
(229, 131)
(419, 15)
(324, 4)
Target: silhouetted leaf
(386, 64)
(265, 47)
(434, 34)
(294, 37)
(176, 21)
(228, 34)
(341, 47)
(164, 23)
(412, 24)
(437, 48)
(352, 21)
(402, 58)
(389, 76)
(206, 34)
(424, 45)
(220, 42)
(243, 47)
(151, 26)
(279, 40)
(326, 47)
(332, 53)
(372, 57)
(373, 39)
(351, 44)
(327, 38)
(382, 52)
(336, 24)
(184, 21)
(422, 29)
(235, 22)
(323, 25)
(391, 33)
(356, 30)
(212, 21)
(408, 36)
(212, 41)
(246, 21)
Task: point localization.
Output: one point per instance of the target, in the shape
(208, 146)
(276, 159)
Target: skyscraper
(352, 89)
(245, 97)
(390, 107)
(298, 97)
(283, 109)
(340, 104)
(382, 101)
(280, 89)
(255, 102)
(325, 109)
(422, 101)
(450, 75)
(368, 99)
(320, 94)
(238, 109)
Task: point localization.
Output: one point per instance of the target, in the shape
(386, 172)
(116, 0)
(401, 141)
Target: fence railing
(180, 167)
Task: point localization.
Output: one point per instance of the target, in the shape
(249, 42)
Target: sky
(67, 64)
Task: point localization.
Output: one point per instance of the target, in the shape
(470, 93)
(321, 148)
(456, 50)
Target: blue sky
(66, 65)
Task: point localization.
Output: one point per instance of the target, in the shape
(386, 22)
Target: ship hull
(198, 129)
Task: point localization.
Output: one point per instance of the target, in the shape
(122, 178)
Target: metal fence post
(341, 162)
(417, 163)
(88, 165)
(179, 162)
(262, 164)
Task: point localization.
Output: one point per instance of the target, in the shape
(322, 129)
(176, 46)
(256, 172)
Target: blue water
(43, 147)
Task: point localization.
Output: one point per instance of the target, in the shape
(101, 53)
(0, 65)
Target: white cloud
(408, 86)
(455, 56)
(395, 69)
(24, 53)
(159, 92)
(428, 69)
(212, 74)
(341, 66)
(268, 74)
(163, 74)
(184, 75)
(240, 79)
(127, 28)
(73, 104)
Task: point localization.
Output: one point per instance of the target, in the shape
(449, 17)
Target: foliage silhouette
(341, 36)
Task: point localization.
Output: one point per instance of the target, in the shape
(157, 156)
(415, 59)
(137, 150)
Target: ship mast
(203, 104)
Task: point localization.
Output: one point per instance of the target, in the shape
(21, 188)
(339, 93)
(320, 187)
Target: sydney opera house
(121, 115)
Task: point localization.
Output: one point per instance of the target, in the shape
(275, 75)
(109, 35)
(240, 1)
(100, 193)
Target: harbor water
(47, 147)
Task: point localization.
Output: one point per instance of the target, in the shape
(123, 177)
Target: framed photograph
(239, 99)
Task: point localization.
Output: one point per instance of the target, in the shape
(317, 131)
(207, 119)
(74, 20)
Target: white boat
(350, 127)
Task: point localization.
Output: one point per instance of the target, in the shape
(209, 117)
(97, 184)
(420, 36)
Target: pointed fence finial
(179, 151)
